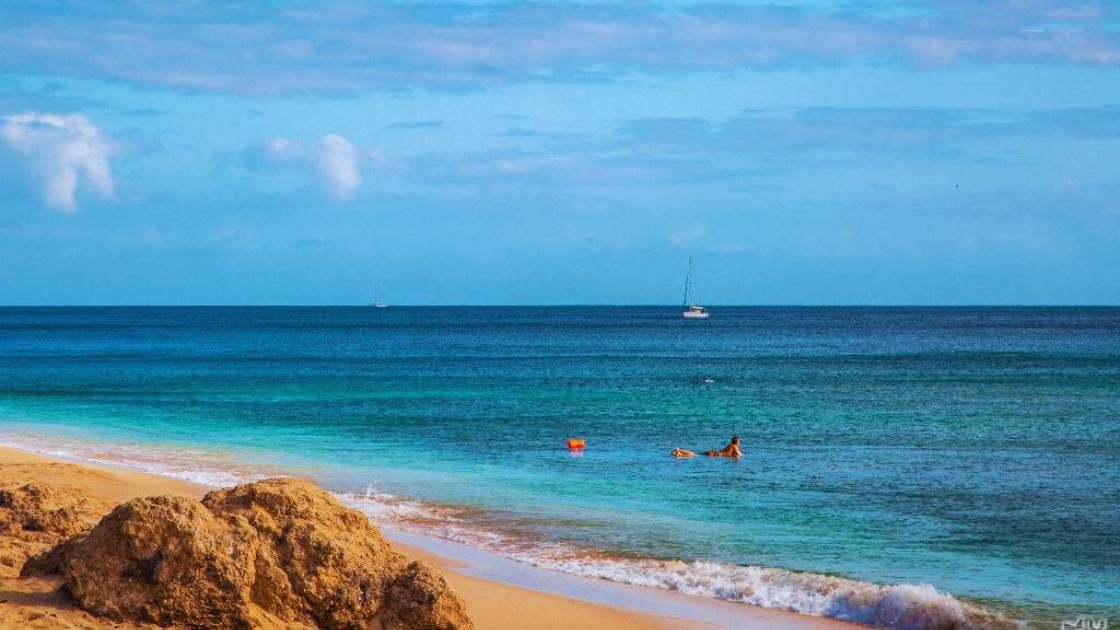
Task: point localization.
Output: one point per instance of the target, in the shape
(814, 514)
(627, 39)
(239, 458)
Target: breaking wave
(901, 606)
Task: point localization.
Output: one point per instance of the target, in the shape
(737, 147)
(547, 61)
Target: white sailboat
(691, 309)
(377, 303)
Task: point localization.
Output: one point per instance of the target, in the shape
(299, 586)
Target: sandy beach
(731, 315)
(32, 603)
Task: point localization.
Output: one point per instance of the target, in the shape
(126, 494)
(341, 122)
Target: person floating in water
(731, 450)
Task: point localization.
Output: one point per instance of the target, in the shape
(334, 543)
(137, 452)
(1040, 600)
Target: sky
(557, 152)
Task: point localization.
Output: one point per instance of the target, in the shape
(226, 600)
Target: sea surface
(913, 468)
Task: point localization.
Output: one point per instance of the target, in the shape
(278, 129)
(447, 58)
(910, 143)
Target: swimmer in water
(732, 450)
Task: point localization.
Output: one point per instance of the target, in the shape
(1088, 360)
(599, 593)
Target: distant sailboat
(377, 303)
(691, 309)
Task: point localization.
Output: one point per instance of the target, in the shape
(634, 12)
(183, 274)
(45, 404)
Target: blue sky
(300, 152)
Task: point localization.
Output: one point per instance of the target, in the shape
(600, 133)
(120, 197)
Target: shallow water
(976, 450)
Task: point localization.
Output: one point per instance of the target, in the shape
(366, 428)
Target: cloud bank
(346, 46)
(59, 153)
(751, 145)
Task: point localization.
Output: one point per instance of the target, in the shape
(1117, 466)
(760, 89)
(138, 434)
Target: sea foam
(194, 466)
(901, 606)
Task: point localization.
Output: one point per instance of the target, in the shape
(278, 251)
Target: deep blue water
(974, 449)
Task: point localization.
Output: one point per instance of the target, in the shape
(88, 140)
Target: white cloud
(61, 151)
(333, 158)
(338, 166)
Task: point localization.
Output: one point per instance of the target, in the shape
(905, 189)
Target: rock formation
(420, 599)
(272, 554)
(34, 517)
(41, 508)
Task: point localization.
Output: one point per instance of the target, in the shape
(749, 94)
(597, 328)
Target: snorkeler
(731, 450)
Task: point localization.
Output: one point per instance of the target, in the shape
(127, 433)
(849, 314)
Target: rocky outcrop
(40, 508)
(34, 517)
(419, 599)
(166, 560)
(275, 553)
(334, 565)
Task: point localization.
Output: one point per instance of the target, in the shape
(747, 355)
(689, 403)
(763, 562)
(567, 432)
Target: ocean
(913, 468)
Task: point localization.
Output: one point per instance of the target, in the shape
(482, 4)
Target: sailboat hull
(695, 315)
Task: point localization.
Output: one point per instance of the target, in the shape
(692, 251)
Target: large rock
(262, 555)
(34, 517)
(319, 559)
(166, 560)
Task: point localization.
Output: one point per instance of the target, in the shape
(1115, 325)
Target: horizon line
(584, 305)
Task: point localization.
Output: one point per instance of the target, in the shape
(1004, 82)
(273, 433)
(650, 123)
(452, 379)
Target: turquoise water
(976, 450)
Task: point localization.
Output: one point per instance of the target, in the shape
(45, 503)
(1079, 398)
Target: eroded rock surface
(34, 517)
(276, 553)
(167, 560)
(41, 508)
(419, 599)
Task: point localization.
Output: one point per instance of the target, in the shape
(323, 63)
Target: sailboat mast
(688, 284)
(691, 310)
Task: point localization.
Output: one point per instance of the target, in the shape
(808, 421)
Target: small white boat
(691, 309)
(377, 303)
(695, 312)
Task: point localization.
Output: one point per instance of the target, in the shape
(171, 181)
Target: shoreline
(712, 592)
(501, 594)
